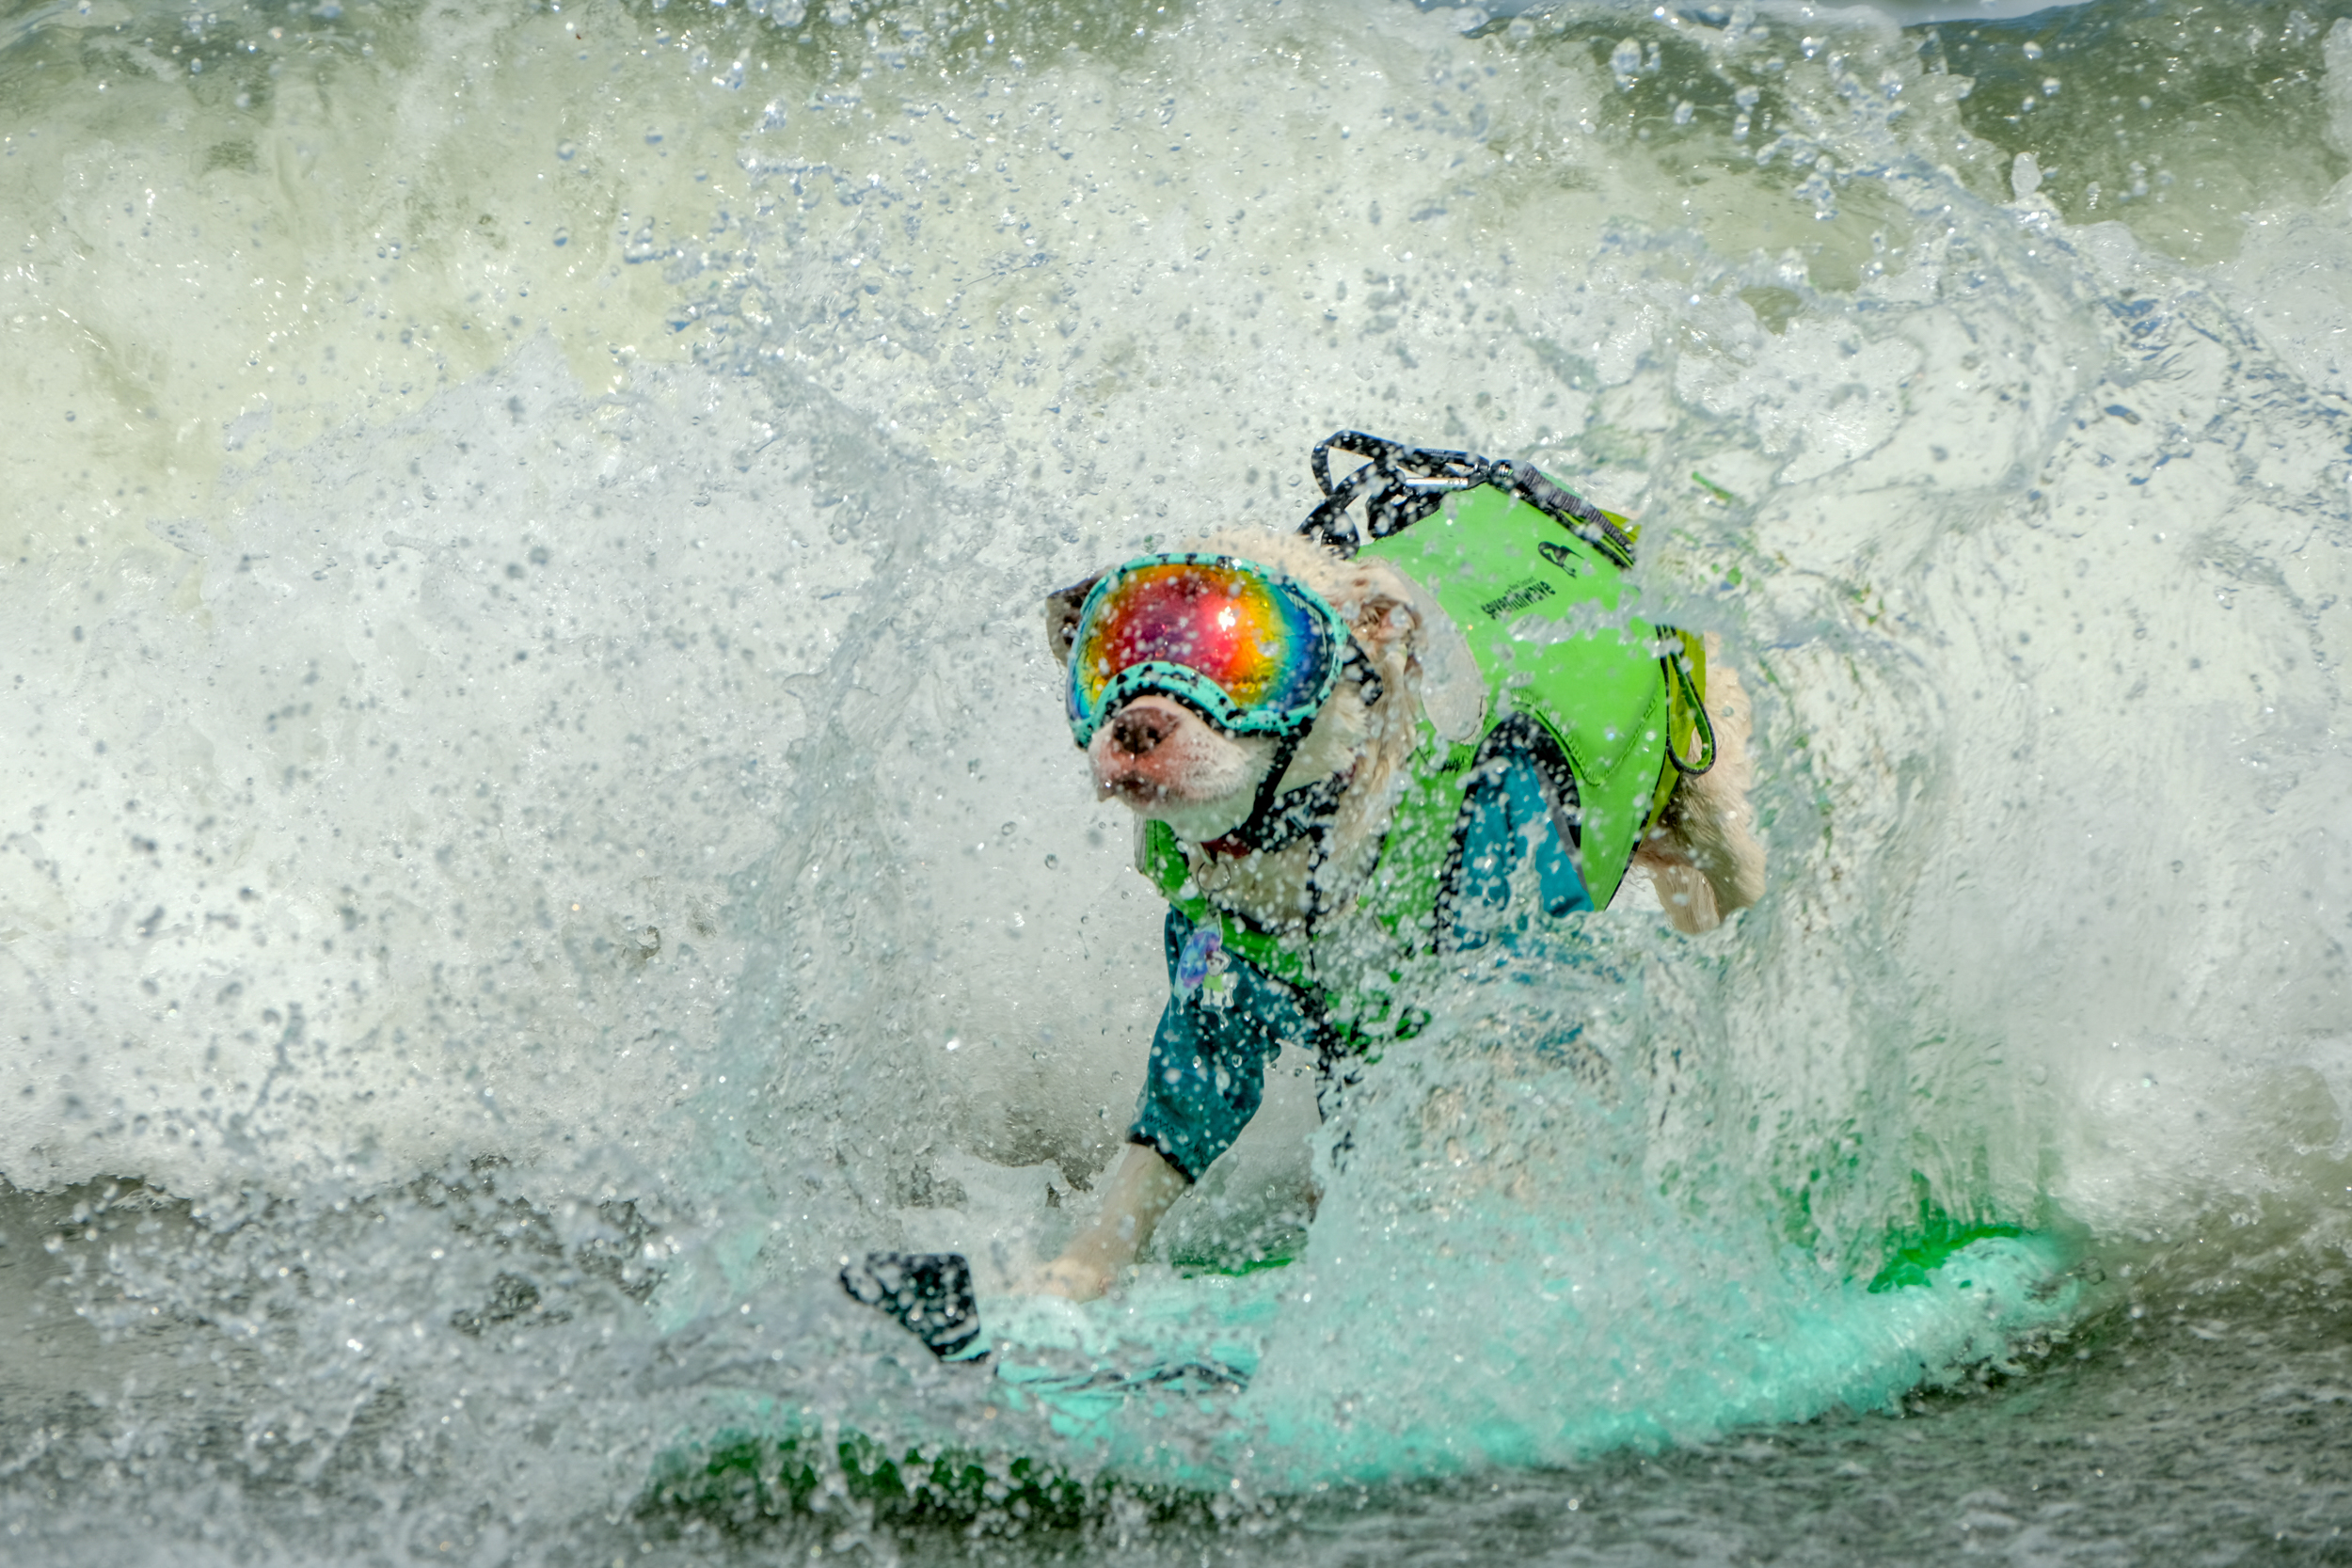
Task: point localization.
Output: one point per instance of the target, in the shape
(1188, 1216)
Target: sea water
(536, 802)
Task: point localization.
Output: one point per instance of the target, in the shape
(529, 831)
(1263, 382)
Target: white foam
(804, 440)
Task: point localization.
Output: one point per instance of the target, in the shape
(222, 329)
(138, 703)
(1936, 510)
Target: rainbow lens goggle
(1251, 652)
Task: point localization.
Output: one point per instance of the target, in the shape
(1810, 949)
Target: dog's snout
(1137, 731)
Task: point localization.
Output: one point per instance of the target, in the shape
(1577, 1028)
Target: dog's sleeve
(1209, 1055)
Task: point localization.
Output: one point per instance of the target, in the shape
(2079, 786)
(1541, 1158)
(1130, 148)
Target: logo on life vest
(1560, 556)
(1203, 970)
(1518, 596)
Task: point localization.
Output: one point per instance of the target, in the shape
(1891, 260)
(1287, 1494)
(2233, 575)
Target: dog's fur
(1168, 764)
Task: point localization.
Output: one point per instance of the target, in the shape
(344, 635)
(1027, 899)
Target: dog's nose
(1137, 731)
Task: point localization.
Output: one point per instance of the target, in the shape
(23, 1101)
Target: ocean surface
(534, 803)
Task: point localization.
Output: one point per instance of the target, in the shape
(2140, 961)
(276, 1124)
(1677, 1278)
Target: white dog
(1272, 861)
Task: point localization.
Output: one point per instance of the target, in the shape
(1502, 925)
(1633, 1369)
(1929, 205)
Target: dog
(1168, 764)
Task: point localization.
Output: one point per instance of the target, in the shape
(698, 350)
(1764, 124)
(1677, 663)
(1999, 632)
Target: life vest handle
(1402, 485)
(1450, 470)
(1399, 485)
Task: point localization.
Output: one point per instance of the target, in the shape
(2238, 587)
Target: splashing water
(538, 807)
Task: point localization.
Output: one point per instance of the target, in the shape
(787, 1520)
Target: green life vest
(1609, 703)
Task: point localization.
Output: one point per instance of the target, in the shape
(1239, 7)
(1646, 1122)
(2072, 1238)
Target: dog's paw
(1065, 1277)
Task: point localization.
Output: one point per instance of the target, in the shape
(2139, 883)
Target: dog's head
(1168, 759)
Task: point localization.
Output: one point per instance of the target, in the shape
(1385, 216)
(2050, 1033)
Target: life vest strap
(1690, 700)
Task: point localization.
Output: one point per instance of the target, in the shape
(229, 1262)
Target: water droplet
(1052, 862)
(565, 149)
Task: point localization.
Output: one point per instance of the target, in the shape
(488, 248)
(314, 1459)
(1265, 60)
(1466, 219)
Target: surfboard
(941, 1402)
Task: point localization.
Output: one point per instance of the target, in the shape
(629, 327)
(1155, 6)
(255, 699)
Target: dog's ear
(1381, 619)
(1061, 616)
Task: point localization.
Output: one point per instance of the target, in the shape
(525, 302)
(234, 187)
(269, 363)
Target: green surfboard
(1191, 1388)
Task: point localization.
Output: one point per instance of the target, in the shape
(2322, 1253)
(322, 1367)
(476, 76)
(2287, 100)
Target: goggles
(1250, 651)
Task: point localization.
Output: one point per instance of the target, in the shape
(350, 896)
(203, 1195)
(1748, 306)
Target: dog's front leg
(1139, 1193)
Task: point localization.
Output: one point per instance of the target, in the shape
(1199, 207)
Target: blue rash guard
(1226, 1019)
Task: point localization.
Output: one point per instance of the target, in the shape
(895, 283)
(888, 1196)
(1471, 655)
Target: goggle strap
(1061, 615)
(1262, 829)
(1291, 816)
(1269, 788)
(1367, 678)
